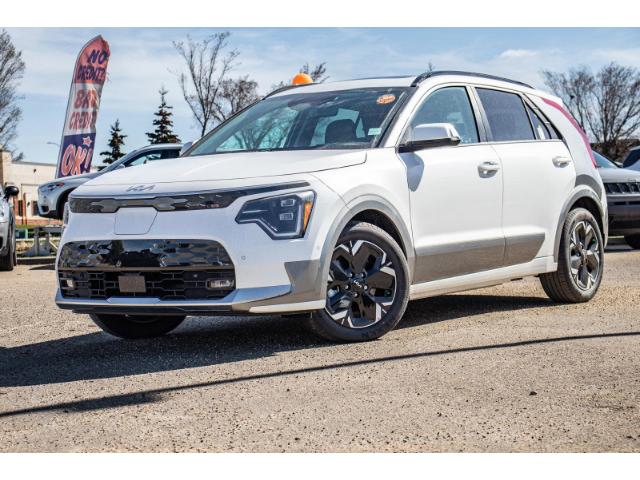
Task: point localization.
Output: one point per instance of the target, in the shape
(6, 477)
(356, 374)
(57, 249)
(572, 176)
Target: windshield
(603, 162)
(329, 120)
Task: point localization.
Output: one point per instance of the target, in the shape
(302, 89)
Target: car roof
(407, 81)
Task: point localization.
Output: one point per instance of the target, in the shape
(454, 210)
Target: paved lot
(498, 369)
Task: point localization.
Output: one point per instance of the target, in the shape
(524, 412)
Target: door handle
(561, 161)
(487, 169)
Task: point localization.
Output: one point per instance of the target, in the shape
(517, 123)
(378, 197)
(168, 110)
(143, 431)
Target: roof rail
(424, 76)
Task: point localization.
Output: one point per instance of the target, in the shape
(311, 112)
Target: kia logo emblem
(140, 188)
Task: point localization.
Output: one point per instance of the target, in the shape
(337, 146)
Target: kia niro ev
(343, 201)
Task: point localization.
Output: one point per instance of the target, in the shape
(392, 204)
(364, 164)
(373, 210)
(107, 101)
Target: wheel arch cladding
(379, 212)
(583, 198)
(379, 219)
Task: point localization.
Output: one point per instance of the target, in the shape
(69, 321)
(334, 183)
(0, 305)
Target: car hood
(612, 175)
(231, 166)
(77, 178)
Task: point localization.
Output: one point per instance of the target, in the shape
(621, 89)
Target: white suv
(343, 200)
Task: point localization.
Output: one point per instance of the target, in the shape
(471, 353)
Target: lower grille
(163, 284)
(165, 269)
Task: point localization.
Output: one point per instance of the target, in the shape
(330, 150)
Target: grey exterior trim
(584, 192)
(522, 248)
(590, 182)
(452, 260)
(307, 285)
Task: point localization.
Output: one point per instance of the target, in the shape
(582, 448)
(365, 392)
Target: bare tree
(236, 94)
(607, 104)
(11, 71)
(208, 63)
(317, 73)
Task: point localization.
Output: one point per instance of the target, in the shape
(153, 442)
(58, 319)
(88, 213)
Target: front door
(456, 194)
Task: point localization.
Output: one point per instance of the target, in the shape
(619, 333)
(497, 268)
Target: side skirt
(482, 279)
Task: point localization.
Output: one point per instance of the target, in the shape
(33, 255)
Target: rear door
(537, 170)
(455, 193)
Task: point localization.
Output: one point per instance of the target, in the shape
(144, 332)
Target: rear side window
(507, 117)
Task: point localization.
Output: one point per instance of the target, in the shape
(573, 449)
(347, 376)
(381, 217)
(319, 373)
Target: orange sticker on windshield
(387, 98)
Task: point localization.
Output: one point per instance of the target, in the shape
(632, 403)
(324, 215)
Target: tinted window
(449, 105)
(170, 153)
(143, 158)
(542, 132)
(507, 117)
(603, 162)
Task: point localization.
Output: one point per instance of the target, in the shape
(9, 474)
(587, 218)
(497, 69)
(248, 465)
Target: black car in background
(623, 198)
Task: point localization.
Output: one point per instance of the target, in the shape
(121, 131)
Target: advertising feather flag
(79, 133)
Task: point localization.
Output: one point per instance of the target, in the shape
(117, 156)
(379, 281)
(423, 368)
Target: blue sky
(143, 59)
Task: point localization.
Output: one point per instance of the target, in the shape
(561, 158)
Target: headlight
(50, 187)
(282, 216)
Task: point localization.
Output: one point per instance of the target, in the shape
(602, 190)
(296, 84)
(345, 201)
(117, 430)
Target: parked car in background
(52, 196)
(343, 201)
(632, 160)
(8, 258)
(623, 197)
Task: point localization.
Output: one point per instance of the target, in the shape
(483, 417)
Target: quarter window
(449, 105)
(507, 117)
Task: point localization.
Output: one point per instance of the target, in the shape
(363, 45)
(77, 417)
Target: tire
(136, 326)
(351, 313)
(9, 259)
(633, 241)
(581, 245)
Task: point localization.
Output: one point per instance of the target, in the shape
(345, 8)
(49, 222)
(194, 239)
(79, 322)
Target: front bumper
(624, 214)
(271, 276)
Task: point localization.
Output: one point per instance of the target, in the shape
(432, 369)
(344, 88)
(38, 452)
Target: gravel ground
(497, 369)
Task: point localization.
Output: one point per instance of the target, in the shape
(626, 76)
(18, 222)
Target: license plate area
(131, 284)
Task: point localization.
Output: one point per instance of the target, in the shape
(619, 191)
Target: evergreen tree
(163, 123)
(116, 142)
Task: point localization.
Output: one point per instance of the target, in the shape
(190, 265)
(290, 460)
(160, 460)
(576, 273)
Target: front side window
(321, 120)
(507, 117)
(449, 105)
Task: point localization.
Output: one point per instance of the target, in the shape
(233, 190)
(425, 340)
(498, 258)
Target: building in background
(26, 176)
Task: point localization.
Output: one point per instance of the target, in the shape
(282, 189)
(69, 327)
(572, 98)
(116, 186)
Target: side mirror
(184, 148)
(11, 191)
(429, 135)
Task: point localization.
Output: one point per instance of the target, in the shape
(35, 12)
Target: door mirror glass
(11, 191)
(429, 135)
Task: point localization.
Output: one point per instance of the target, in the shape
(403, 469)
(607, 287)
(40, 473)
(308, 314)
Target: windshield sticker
(374, 131)
(387, 98)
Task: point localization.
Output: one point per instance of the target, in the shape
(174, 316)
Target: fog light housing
(218, 283)
(67, 283)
